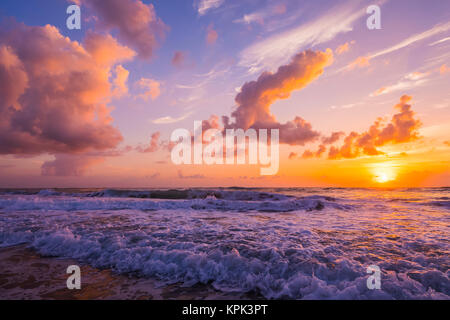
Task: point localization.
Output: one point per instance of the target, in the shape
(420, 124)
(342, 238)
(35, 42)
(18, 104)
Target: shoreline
(27, 275)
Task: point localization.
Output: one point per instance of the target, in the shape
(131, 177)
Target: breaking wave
(279, 243)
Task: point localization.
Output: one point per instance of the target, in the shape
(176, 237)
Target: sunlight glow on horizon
(384, 172)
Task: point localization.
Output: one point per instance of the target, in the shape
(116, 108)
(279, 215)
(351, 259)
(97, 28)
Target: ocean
(275, 243)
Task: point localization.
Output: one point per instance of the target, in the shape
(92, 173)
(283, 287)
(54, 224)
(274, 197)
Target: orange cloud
(292, 155)
(402, 128)
(137, 24)
(444, 69)
(256, 97)
(307, 154)
(310, 154)
(360, 62)
(120, 82)
(55, 91)
(344, 47)
(105, 50)
(152, 88)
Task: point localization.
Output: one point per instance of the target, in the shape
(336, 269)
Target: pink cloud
(154, 145)
(179, 58)
(55, 92)
(137, 24)
(334, 137)
(69, 165)
(211, 35)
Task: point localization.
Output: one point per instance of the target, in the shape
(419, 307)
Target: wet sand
(26, 275)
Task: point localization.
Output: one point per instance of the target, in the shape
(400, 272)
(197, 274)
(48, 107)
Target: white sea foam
(310, 244)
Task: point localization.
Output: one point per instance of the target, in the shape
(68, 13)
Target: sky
(96, 107)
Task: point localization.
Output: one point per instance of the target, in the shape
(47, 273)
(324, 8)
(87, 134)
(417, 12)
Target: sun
(383, 177)
(384, 172)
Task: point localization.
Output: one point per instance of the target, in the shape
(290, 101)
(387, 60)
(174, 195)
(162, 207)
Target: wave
(277, 243)
(292, 273)
(225, 202)
(241, 195)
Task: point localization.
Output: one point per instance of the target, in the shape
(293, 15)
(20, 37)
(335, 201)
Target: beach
(26, 275)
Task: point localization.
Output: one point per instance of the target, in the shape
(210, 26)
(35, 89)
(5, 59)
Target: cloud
(203, 6)
(447, 143)
(359, 62)
(334, 137)
(120, 81)
(409, 81)
(137, 24)
(154, 144)
(439, 28)
(6, 166)
(275, 50)
(169, 119)
(194, 176)
(402, 128)
(440, 41)
(178, 59)
(344, 47)
(211, 35)
(307, 154)
(256, 97)
(292, 155)
(262, 15)
(69, 165)
(364, 61)
(104, 49)
(151, 87)
(154, 176)
(310, 154)
(55, 92)
(444, 69)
